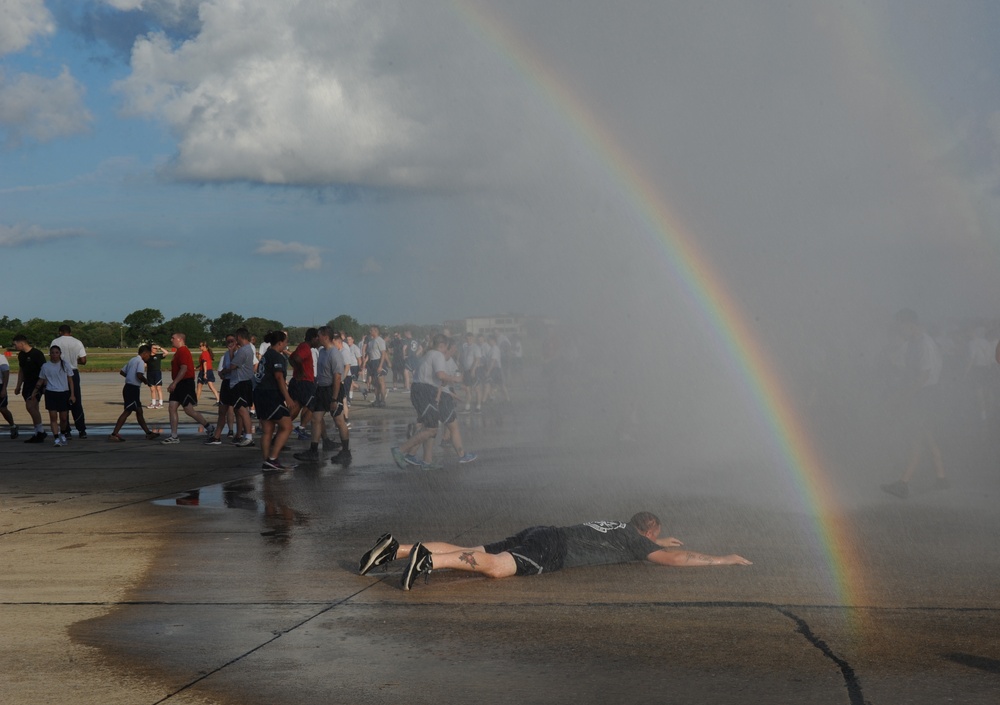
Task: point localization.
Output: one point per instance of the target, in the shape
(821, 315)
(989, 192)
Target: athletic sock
(345, 444)
(314, 446)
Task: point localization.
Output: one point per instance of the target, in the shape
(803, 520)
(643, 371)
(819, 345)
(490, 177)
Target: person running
(74, 355)
(181, 390)
(56, 380)
(29, 367)
(433, 407)
(545, 549)
(134, 374)
(154, 376)
(376, 354)
(272, 400)
(205, 373)
(4, 411)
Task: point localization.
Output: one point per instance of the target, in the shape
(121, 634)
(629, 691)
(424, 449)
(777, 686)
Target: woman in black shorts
(56, 379)
(272, 401)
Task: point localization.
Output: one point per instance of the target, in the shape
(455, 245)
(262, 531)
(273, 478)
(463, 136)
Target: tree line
(147, 325)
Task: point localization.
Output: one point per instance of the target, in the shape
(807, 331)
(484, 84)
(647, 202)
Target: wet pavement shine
(141, 573)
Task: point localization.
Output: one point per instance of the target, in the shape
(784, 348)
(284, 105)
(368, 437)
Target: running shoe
(383, 551)
(13, 430)
(61, 441)
(412, 460)
(170, 439)
(302, 434)
(898, 489)
(272, 464)
(82, 434)
(38, 437)
(244, 442)
(342, 458)
(420, 563)
(213, 441)
(115, 438)
(309, 456)
(152, 435)
(468, 458)
(397, 455)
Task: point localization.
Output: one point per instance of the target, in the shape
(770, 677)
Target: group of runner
(273, 385)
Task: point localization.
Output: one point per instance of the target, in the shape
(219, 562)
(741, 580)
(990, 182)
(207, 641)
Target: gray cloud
(312, 260)
(23, 20)
(26, 235)
(42, 109)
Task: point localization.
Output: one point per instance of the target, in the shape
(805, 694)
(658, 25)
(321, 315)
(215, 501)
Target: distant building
(509, 324)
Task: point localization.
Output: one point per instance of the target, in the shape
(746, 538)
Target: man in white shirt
(434, 406)
(134, 373)
(74, 355)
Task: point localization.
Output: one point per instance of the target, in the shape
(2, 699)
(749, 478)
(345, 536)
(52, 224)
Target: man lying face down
(540, 549)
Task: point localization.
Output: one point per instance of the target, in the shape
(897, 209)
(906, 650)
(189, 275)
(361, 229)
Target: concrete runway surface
(141, 573)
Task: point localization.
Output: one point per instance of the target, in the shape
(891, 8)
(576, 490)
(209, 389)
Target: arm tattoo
(692, 558)
(468, 558)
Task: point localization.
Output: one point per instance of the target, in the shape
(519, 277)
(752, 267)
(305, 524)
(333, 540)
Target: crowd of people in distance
(270, 386)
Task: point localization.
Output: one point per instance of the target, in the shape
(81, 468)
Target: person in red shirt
(205, 373)
(181, 389)
(302, 388)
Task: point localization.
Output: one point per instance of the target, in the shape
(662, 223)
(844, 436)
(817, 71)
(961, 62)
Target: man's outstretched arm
(690, 558)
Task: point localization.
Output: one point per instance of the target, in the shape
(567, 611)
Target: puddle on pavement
(266, 496)
(239, 494)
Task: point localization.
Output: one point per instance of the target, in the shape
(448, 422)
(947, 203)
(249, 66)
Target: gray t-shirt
(324, 368)
(432, 362)
(601, 542)
(243, 359)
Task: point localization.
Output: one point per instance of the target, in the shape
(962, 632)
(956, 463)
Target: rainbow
(678, 244)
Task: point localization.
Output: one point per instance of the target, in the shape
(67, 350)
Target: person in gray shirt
(240, 375)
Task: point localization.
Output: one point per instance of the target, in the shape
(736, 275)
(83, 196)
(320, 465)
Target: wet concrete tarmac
(140, 573)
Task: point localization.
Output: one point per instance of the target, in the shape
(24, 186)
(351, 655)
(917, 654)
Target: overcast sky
(421, 160)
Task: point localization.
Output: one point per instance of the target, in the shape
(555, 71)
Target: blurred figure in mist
(918, 400)
(980, 372)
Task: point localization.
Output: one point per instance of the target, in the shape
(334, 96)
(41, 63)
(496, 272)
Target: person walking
(74, 355)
